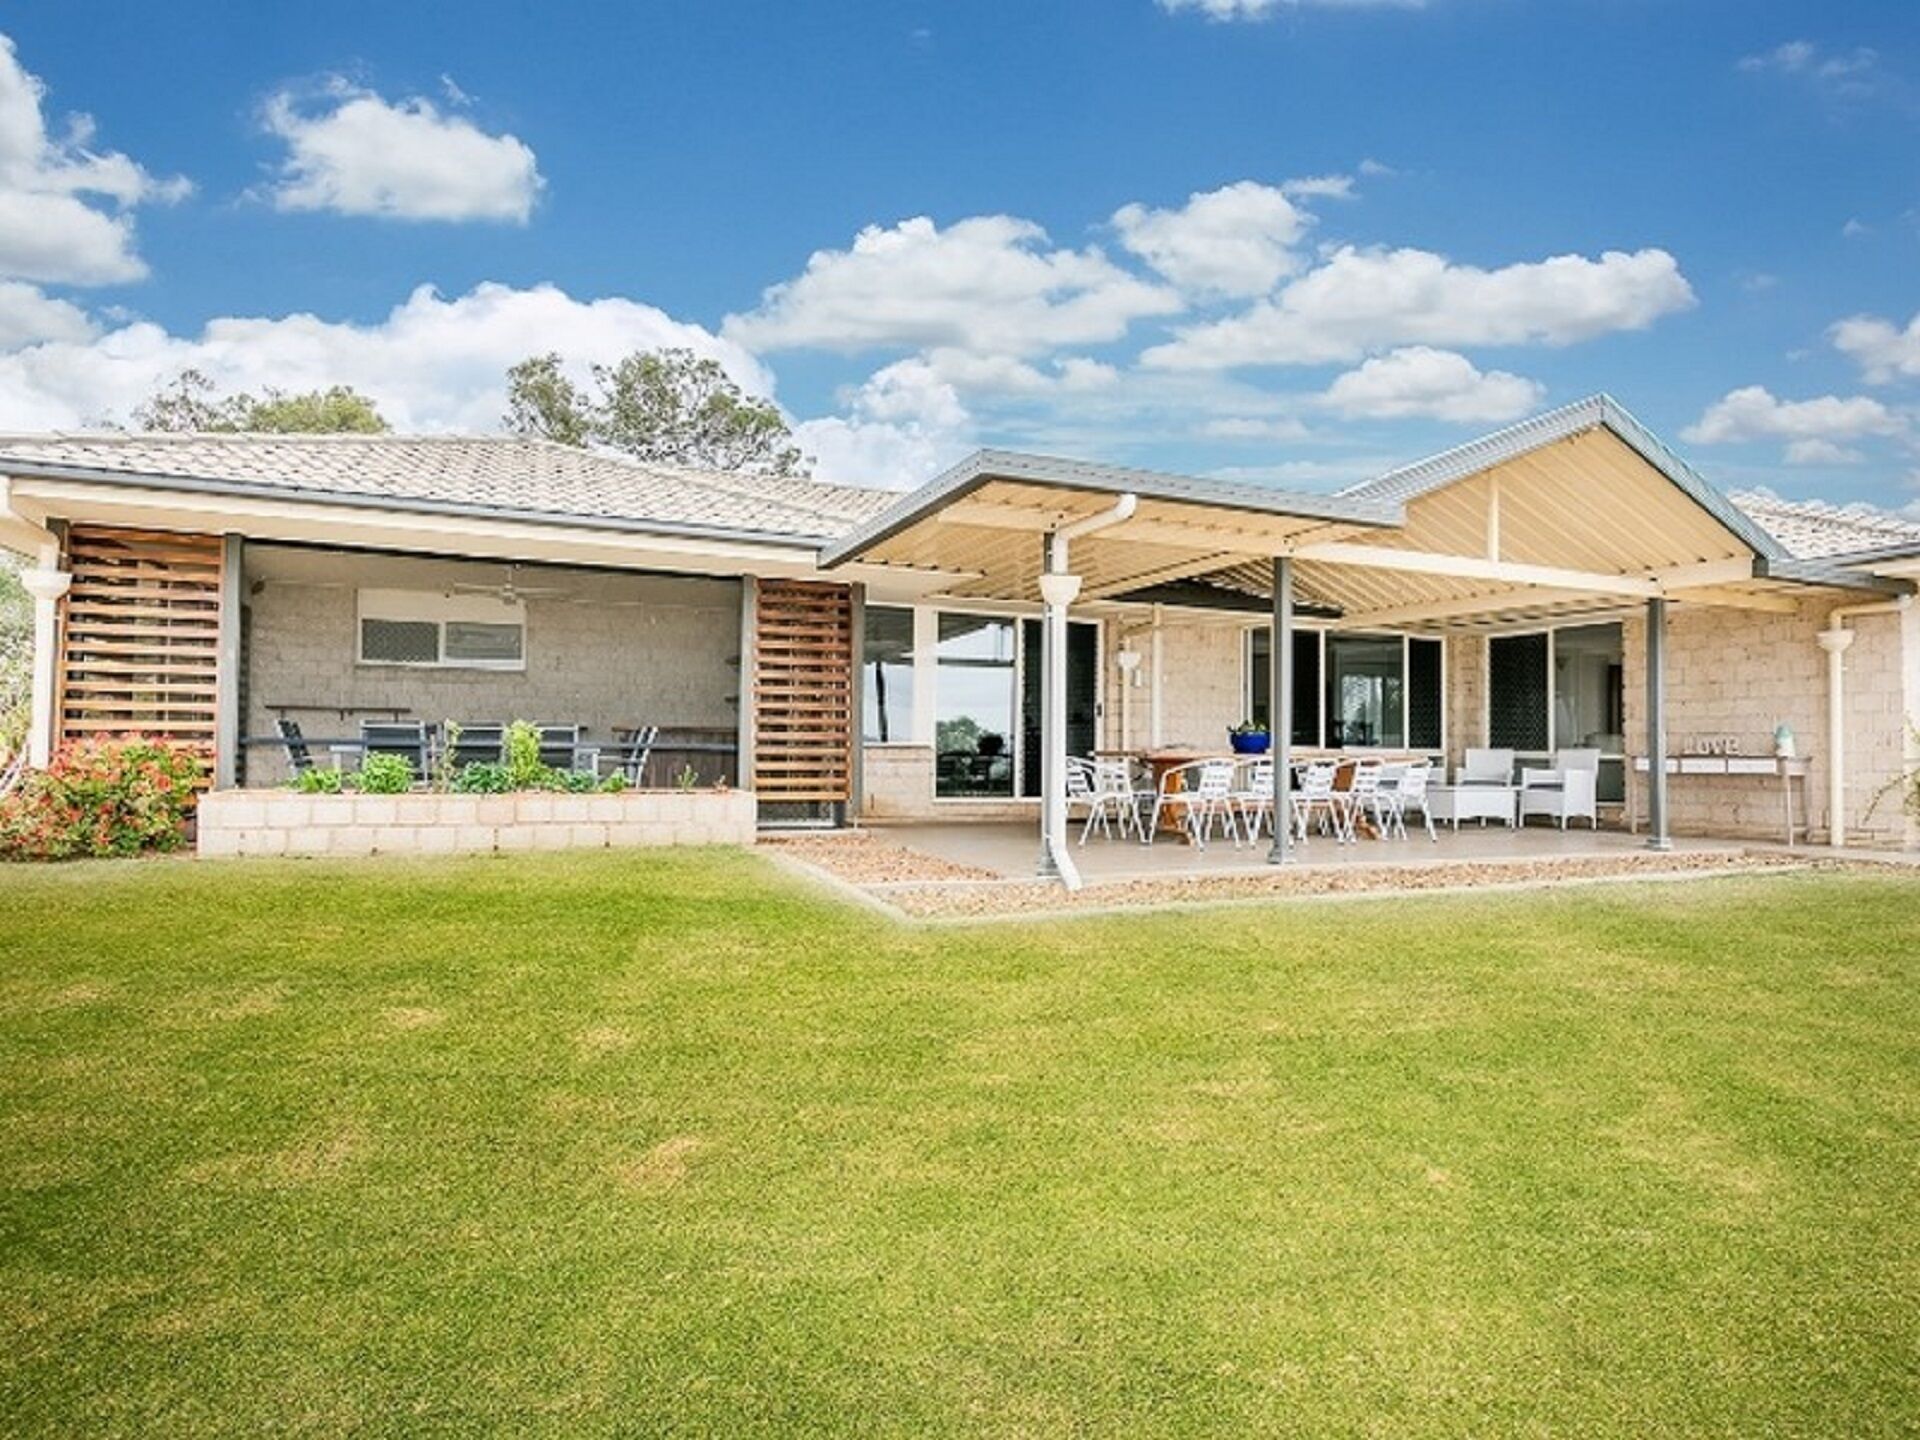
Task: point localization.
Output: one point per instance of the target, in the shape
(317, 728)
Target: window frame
(436, 608)
(1406, 639)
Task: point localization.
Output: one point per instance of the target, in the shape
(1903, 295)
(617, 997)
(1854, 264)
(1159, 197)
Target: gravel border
(912, 886)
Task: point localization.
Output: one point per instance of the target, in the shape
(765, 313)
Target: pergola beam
(1471, 567)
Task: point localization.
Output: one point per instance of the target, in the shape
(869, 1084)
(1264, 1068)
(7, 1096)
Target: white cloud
(986, 284)
(902, 427)
(1361, 300)
(1881, 349)
(1852, 74)
(1324, 187)
(1219, 10)
(1435, 384)
(1814, 431)
(1240, 240)
(432, 364)
(28, 316)
(65, 208)
(352, 152)
(1822, 452)
(1255, 427)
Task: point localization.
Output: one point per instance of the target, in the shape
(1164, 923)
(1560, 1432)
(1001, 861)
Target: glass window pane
(1306, 683)
(1083, 695)
(1588, 688)
(886, 677)
(473, 641)
(400, 642)
(974, 710)
(1426, 695)
(1517, 692)
(1365, 691)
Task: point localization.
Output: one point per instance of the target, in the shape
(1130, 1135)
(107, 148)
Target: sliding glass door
(1083, 696)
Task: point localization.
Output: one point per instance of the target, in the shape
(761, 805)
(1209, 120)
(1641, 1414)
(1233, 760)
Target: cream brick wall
(250, 822)
(1466, 678)
(617, 649)
(1740, 673)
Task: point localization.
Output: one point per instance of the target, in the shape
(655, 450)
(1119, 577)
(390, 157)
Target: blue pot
(1255, 744)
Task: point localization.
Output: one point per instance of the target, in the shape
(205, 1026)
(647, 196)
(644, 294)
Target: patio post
(1280, 708)
(1057, 589)
(1657, 837)
(46, 584)
(228, 721)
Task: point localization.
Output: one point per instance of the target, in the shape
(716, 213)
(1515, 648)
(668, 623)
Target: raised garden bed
(255, 822)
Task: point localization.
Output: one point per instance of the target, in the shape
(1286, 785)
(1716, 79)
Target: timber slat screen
(803, 693)
(140, 644)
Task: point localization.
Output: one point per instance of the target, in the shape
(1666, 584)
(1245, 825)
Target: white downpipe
(46, 585)
(1156, 662)
(1835, 640)
(1058, 588)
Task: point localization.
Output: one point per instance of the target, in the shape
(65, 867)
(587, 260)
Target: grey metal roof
(1596, 411)
(499, 476)
(985, 466)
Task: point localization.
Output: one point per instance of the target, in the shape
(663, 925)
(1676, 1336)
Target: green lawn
(597, 1145)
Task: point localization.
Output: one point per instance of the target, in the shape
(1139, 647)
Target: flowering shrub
(111, 796)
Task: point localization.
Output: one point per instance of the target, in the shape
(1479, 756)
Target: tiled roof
(1815, 530)
(502, 474)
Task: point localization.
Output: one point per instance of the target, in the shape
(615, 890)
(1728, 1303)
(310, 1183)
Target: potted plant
(1250, 737)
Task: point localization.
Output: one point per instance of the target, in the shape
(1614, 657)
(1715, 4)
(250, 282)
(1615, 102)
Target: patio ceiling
(1570, 512)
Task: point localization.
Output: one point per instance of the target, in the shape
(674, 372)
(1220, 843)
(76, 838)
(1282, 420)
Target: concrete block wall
(1741, 673)
(614, 649)
(249, 822)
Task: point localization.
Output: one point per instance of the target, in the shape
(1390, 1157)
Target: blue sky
(1297, 242)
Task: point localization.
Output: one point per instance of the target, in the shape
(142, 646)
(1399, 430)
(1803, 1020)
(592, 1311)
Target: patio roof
(1572, 511)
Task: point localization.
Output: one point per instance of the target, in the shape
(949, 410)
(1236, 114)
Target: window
(1588, 691)
(886, 678)
(1518, 717)
(1366, 701)
(429, 628)
(1426, 694)
(1306, 682)
(974, 710)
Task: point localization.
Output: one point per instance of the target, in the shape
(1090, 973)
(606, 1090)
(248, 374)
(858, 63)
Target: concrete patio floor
(1012, 849)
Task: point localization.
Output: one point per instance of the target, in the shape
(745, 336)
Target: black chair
(560, 748)
(478, 744)
(299, 754)
(405, 738)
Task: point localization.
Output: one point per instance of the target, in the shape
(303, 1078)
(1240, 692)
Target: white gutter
(1835, 640)
(1058, 587)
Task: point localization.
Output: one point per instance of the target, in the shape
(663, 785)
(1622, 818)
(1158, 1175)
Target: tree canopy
(191, 403)
(663, 405)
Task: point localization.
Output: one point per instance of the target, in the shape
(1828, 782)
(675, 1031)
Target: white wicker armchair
(1570, 790)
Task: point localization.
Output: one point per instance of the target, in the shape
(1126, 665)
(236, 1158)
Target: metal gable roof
(1423, 477)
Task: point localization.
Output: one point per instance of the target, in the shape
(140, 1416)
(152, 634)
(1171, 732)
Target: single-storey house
(828, 653)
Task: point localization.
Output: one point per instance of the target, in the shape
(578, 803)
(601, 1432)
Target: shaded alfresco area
(1577, 516)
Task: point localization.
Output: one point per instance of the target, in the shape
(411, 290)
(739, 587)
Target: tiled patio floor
(1012, 850)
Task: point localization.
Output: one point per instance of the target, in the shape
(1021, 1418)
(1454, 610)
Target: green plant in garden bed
(384, 775)
(113, 796)
(318, 780)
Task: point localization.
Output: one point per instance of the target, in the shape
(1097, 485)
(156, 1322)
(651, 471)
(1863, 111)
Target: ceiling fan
(509, 591)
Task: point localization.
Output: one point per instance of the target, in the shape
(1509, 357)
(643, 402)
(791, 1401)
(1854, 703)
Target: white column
(1835, 642)
(1280, 708)
(46, 585)
(1058, 590)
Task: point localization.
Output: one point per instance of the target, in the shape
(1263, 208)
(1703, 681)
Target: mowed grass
(674, 1145)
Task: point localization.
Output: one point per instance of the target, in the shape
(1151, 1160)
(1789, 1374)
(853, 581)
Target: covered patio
(1577, 517)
